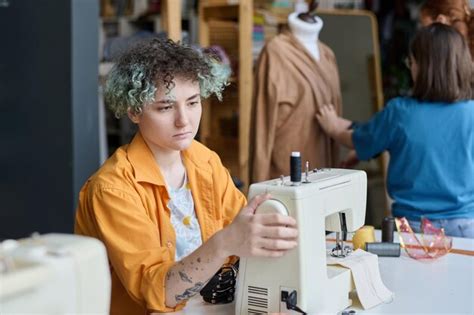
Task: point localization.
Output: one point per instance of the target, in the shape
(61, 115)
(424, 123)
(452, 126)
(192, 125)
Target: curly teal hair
(139, 72)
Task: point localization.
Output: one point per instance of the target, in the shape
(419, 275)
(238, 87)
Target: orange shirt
(124, 205)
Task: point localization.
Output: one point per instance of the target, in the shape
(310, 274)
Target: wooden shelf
(129, 18)
(170, 19)
(171, 22)
(229, 23)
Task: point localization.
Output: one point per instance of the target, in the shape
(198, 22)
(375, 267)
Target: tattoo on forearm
(190, 292)
(184, 277)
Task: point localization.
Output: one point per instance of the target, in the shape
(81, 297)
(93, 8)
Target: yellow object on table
(365, 234)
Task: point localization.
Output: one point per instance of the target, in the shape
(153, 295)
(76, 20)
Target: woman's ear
(133, 116)
(443, 19)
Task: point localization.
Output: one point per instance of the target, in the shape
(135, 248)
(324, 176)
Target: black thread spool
(388, 226)
(383, 249)
(295, 167)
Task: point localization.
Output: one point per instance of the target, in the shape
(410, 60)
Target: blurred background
(55, 56)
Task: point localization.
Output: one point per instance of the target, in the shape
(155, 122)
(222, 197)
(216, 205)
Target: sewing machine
(54, 274)
(327, 199)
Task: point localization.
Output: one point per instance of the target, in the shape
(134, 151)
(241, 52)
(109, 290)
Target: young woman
(164, 205)
(429, 136)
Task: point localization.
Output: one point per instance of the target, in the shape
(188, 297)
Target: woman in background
(429, 136)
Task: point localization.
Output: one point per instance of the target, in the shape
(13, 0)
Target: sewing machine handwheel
(272, 206)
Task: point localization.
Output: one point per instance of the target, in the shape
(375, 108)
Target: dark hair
(459, 14)
(141, 70)
(471, 33)
(444, 64)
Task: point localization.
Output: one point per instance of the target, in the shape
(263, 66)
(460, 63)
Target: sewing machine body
(54, 274)
(315, 206)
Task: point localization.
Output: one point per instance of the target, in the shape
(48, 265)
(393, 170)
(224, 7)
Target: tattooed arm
(249, 235)
(188, 276)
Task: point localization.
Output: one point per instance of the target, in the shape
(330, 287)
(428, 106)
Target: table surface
(441, 286)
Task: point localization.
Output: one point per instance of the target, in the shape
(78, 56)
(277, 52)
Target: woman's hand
(335, 127)
(264, 235)
(330, 121)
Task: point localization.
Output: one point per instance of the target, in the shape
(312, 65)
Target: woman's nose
(181, 118)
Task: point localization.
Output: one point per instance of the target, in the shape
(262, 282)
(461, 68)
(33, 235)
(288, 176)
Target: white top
(306, 33)
(184, 220)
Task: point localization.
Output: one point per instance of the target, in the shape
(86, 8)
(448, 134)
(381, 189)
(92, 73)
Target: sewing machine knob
(272, 206)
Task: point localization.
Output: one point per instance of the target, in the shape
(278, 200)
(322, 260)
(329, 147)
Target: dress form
(306, 33)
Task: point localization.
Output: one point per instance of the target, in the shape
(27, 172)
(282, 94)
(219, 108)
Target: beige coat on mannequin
(290, 85)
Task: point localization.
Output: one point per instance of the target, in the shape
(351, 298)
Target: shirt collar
(147, 170)
(143, 162)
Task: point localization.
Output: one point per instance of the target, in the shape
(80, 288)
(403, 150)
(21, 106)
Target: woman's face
(172, 121)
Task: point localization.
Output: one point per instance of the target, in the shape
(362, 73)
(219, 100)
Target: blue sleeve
(375, 136)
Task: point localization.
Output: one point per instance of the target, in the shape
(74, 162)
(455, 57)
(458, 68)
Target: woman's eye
(165, 108)
(192, 104)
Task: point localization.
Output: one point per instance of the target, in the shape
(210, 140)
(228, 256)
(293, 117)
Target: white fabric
(184, 220)
(306, 33)
(364, 267)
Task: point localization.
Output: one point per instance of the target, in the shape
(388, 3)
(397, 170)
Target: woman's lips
(182, 135)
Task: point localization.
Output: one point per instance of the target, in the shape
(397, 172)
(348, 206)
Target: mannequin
(295, 74)
(306, 33)
(306, 26)
(309, 16)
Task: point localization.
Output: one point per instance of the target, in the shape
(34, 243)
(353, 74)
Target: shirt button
(169, 244)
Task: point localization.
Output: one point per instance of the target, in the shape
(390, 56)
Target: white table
(441, 286)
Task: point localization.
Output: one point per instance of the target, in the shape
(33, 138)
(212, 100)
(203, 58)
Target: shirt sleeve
(376, 135)
(133, 245)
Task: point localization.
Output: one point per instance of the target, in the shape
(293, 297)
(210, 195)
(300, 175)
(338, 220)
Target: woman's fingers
(256, 201)
(326, 108)
(279, 232)
(274, 219)
(277, 244)
(323, 110)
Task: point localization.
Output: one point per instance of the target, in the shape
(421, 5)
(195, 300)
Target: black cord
(291, 303)
(221, 288)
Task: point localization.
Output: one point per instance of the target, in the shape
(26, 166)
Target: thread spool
(295, 167)
(383, 249)
(365, 234)
(388, 226)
